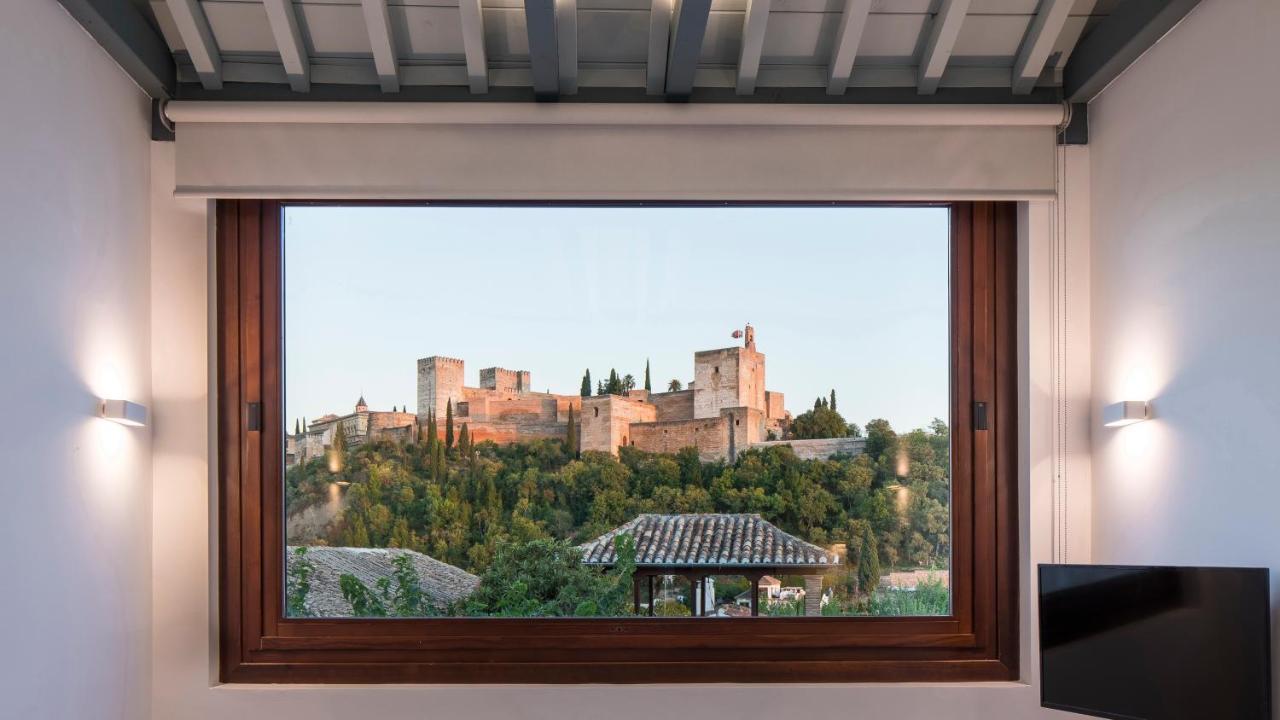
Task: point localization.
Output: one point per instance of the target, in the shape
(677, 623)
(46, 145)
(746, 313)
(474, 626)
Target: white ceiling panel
(991, 36)
(334, 29)
(427, 33)
(891, 36)
(799, 38)
(609, 36)
(240, 27)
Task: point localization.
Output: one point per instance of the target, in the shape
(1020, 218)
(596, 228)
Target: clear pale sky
(848, 298)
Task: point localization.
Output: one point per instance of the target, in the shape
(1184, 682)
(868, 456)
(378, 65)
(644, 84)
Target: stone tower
(729, 378)
(361, 405)
(439, 381)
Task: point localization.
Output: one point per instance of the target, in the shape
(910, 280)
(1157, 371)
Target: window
(438, 526)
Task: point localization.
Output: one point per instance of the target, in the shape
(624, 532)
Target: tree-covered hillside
(460, 504)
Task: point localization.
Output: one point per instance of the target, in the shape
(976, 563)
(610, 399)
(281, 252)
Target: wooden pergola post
(635, 593)
(651, 599)
(755, 596)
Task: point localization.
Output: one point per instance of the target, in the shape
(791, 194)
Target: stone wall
(511, 432)
(673, 405)
(607, 420)
(819, 449)
(709, 435)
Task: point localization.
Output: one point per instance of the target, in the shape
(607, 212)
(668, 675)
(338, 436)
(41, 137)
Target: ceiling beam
(293, 52)
(567, 37)
(659, 40)
(688, 27)
(193, 26)
(942, 38)
(1116, 42)
(473, 45)
(754, 22)
(131, 41)
(544, 51)
(378, 22)
(1041, 36)
(852, 23)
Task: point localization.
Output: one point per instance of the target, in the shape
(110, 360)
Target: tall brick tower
(439, 381)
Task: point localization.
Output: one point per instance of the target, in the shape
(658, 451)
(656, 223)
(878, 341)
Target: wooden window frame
(977, 642)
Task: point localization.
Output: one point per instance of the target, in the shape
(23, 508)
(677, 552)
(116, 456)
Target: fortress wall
(715, 377)
(774, 407)
(607, 419)
(673, 405)
(820, 449)
(525, 408)
(512, 432)
(709, 435)
(747, 426)
(381, 420)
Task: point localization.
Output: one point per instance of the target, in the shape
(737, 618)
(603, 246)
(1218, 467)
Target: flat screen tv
(1155, 643)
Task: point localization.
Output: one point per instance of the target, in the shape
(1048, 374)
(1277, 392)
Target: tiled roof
(441, 582)
(708, 539)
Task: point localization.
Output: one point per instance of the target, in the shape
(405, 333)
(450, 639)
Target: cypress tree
(833, 399)
(599, 387)
(337, 447)
(647, 384)
(586, 384)
(433, 433)
(571, 436)
(448, 425)
(297, 427)
(817, 403)
(464, 441)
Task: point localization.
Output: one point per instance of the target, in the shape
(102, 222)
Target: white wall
(1186, 295)
(75, 611)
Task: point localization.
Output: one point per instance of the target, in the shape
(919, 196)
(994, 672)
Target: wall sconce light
(1125, 412)
(124, 412)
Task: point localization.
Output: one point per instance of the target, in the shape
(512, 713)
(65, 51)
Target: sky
(848, 298)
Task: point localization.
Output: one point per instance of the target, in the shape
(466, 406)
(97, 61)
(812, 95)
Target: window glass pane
(591, 411)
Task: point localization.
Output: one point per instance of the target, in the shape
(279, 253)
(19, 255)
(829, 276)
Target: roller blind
(492, 151)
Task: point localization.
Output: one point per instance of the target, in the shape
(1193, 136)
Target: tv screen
(1155, 643)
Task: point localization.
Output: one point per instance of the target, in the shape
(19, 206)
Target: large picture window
(565, 443)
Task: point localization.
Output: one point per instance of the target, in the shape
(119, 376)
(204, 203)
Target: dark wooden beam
(1116, 42)
(688, 27)
(544, 51)
(130, 40)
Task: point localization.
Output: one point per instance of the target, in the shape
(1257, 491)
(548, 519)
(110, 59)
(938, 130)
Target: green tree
(298, 584)
(820, 422)
(464, 441)
(586, 384)
(546, 578)
(571, 438)
(297, 427)
(337, 447)
(448, 424)
(833, 399)
(675, 385)
(648, 386)
(628, 382)
(599, 387)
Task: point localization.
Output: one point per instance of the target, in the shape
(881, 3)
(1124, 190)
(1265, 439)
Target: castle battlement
(441, 359)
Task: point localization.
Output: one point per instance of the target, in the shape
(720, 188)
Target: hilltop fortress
(725, 409)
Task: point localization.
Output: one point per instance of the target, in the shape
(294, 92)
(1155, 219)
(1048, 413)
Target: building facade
(358, 427)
